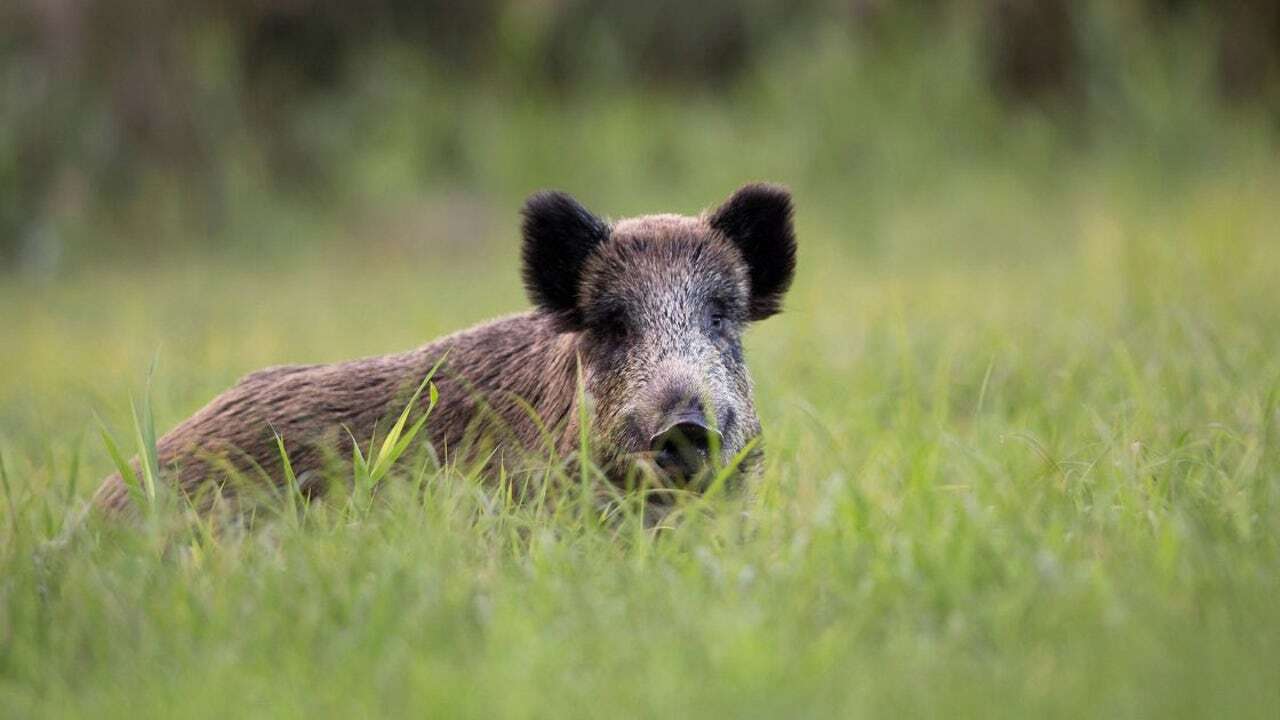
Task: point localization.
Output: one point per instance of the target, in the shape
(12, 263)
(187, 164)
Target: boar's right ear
(559, 236)
(757, 219)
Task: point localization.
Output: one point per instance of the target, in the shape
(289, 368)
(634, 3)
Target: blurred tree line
(94, 93)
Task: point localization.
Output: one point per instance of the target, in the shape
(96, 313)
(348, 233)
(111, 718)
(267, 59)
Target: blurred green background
(266, 127)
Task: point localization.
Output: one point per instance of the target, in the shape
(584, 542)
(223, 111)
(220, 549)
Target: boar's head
(659, 305)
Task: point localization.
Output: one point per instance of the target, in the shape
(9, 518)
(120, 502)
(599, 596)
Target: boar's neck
(494, 375)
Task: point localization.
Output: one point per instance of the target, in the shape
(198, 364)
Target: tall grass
(1022, 450)
(989, 490)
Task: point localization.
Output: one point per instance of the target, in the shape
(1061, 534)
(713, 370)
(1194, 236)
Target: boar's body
(489, 375)
(649, 312)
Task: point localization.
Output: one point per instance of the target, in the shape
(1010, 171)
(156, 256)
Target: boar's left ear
(559, 236)
(758, 220)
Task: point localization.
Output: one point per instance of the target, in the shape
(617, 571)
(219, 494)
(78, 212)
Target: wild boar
(646, 313)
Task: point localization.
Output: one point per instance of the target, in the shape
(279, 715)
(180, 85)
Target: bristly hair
(559, 236)
(757, 219)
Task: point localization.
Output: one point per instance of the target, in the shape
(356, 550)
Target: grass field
(1021, 414)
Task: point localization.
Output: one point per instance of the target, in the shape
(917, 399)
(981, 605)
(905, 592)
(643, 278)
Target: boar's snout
(683, 445)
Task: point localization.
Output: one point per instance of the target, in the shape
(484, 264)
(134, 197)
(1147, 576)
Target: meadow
(1021, 416)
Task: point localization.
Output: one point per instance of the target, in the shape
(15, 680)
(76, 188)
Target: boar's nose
(683, 446)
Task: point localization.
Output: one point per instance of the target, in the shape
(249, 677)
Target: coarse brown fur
(626, 305)
(318, 409)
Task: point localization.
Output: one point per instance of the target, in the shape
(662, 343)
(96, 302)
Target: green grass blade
(8, 493)
(73, 471)
(721, 479)
(123, 467)
(292, 491)
(584, 426)
(144, 434)
(386, 455)
(407, 439)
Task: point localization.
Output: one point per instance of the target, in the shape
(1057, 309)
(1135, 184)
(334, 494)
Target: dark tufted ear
(758, 220)
(559, 235)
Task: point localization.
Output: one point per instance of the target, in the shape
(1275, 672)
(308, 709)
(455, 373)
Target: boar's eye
(718, 319)
(610, 321)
